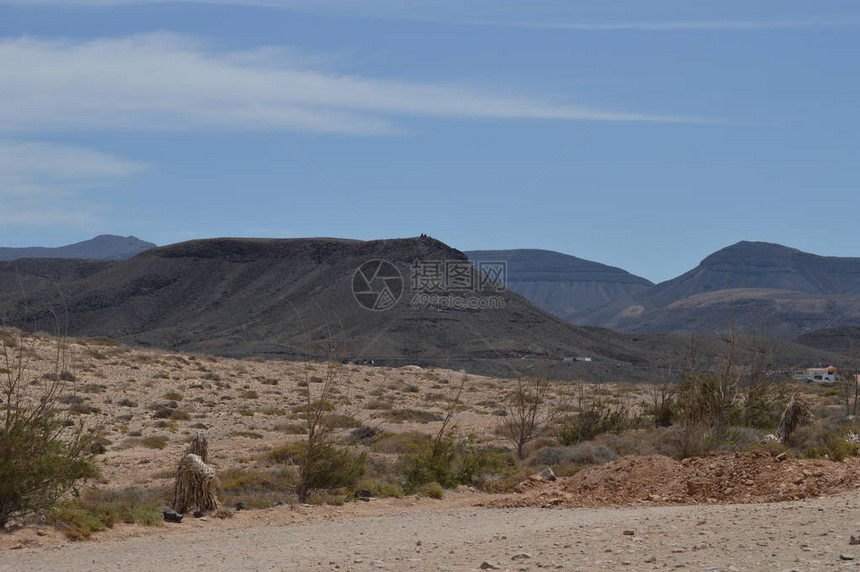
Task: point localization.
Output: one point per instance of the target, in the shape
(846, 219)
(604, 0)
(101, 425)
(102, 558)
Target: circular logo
(377, 285)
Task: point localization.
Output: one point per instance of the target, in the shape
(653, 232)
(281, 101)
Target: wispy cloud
(541, 14)
(168, 81)
(44, 184)
(681, 25)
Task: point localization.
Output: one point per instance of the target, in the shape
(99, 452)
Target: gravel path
(802, 535)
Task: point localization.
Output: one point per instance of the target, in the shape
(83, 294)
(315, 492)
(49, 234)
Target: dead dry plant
(196, 485)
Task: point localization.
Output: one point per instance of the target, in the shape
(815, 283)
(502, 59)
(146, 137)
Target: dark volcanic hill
(763, 265)
(293, 298)
(103, 247)
(759, 284)
(564, 285)
(26, 276)
(845, 341)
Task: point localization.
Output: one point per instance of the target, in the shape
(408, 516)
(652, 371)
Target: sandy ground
(243, 404)
(802, 535)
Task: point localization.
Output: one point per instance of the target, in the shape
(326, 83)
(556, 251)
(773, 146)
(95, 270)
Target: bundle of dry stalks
(196, 485)
(798, 412)
(199, 446)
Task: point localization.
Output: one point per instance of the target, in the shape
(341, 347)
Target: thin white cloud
(169, 81)
(681, 25)
(45, 184)
(545, 14)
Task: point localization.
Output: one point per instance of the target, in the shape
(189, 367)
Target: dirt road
(803, 535)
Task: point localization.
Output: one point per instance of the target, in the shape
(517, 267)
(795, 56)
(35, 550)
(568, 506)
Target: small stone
(846, 557)
(241, 505)
(419, 543)
(629, 533)
(487, 565)
(547, 474)
(650, 560)
(171, 515)
(854, 540)
(521, 556)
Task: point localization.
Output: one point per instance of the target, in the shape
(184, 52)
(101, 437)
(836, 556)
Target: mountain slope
(762, 265)
(757, 285)
(845, 340)
(104, 247)
(293, 298)
(564, 285)
(26, 276)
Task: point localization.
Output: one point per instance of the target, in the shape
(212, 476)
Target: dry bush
(597, 414)
(575, 455)
(196, 484)
(797, 412)
(532, 408)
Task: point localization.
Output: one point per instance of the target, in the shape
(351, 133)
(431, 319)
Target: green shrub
(42, 456)
(819, 442)
(599, 417)
(154, 441)
(410, 442)
(448, 462)
(97, 510)
(410, 416)
(763, 405)
(332, 467)
(432, 490)
(382, 489)
(258, 488)
(180, 415)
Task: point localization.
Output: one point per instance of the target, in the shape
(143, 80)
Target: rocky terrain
(293, 298)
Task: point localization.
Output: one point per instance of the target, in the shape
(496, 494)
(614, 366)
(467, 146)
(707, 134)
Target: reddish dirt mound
(719, 478)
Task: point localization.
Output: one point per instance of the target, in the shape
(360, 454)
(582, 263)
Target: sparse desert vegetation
(330, 434)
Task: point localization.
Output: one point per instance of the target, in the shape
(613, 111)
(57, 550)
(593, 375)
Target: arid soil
(804, 535)
(697, 514)
(719, 478)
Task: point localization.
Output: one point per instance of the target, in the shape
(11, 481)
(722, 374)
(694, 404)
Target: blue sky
(642, 135)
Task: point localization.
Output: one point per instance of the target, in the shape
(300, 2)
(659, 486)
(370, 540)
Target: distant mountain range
(758, 286)
(102, 247)
(292, 298)
(564, 285)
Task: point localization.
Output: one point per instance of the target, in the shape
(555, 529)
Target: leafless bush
(532, 408)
